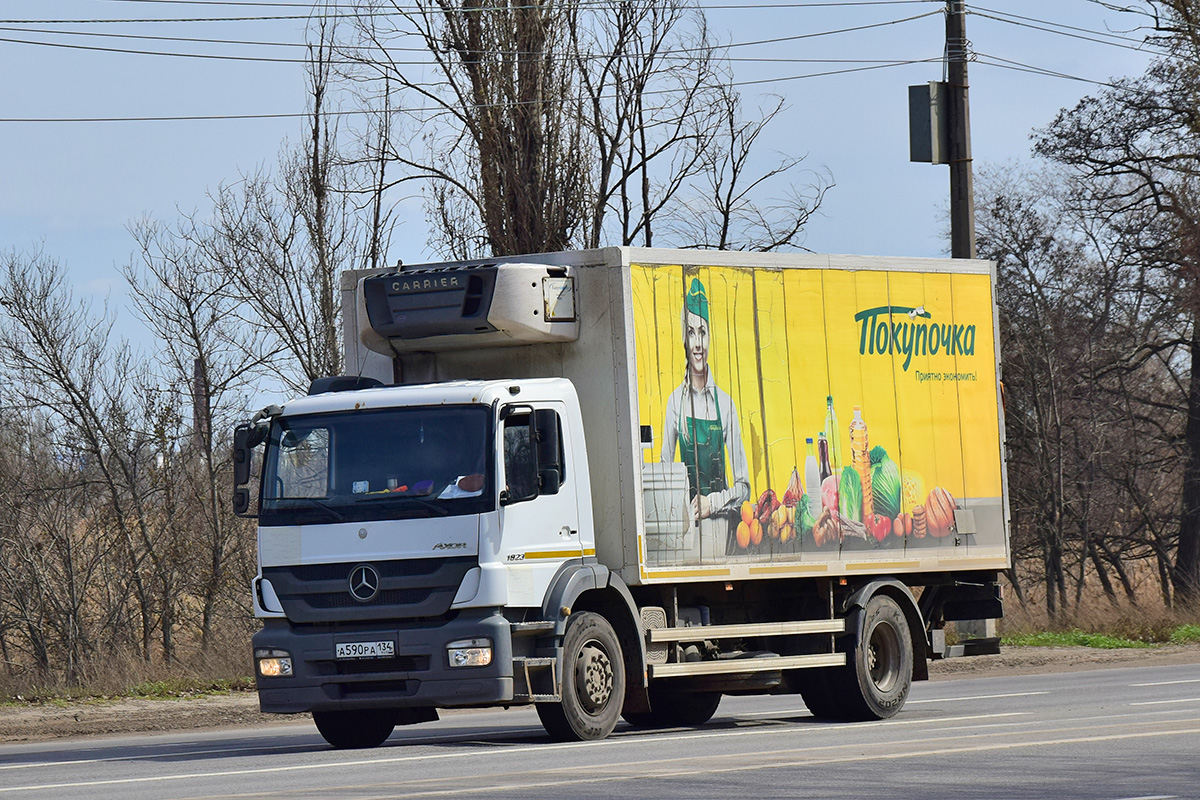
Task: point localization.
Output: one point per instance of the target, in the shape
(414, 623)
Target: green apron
(702, 448)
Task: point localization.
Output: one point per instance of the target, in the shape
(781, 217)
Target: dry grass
(1150, 622)
(226, 666)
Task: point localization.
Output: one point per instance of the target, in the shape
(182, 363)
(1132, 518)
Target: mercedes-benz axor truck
(623, 483)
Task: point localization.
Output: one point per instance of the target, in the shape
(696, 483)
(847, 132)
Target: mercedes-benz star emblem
(364, 583)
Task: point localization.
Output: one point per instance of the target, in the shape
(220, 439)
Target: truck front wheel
(593, 684)
(347, 730)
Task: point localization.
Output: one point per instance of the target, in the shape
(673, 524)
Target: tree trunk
(1186, 572)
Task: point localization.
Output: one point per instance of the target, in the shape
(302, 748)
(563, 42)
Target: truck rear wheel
(669, 709)
(818, 693)
(593, 685)
(878, 674)
(347, 730)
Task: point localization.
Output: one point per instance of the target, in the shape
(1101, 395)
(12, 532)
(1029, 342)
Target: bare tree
(98, 406)
(208, 362)
(550, 125)
(1138, 143)
(1091, 346)
(280, 241)
(731, 216)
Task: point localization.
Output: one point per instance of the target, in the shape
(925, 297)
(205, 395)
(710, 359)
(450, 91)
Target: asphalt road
(1105, 734)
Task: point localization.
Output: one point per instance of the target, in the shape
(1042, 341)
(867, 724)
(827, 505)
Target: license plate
(366, 649)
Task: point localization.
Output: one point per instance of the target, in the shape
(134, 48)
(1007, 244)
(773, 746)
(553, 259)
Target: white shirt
(704, 405)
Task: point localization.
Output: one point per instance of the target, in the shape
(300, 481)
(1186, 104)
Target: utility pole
(962, 187)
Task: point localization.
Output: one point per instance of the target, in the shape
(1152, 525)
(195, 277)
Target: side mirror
(242, 453)
(549, 450)
(245, 439)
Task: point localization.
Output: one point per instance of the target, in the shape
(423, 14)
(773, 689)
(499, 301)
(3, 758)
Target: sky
(85, 153)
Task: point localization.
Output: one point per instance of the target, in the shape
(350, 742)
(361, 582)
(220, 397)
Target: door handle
(566, 531)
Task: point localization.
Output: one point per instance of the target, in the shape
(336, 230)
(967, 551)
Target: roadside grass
(1186, 634)
(1099, 622)
(223, 669)
(178, 687)
(1073, 639)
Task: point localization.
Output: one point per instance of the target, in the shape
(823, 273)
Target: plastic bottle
(860, 459)
(823, 465)
(835, 439)
(812, 480)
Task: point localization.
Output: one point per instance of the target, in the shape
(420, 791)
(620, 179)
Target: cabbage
(877, 454)
(885, 487)
(805, 521)
(850, 495)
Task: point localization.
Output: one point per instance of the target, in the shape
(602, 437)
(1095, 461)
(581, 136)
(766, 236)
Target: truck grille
(407, 589)
(371, 666)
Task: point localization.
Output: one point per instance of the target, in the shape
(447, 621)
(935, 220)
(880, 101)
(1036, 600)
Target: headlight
(470, 652)
(273, 663)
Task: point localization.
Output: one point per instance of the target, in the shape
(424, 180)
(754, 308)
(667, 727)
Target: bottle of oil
(860, 459)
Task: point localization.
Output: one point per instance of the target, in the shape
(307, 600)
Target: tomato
(879, 526)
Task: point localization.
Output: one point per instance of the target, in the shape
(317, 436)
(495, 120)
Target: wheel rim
(883, 657)
(593, 677)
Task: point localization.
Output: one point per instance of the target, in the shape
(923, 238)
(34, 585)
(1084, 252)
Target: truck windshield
(381, 464)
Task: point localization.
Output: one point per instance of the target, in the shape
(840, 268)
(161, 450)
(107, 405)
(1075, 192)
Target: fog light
(470, 652)
(274, 663)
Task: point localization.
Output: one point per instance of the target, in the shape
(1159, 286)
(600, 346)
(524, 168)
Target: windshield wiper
(318, 503)
(428, 505)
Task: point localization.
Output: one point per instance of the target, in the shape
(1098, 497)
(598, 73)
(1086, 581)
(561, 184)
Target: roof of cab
(447, 393)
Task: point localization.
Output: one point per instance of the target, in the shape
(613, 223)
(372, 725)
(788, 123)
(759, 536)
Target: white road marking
(1165, 683)
(1166, 702)
(976, 697)
(459, 789)
(241, 749)
(616, 741)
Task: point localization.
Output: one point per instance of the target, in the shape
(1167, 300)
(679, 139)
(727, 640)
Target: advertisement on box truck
(822, 415)
(622, 483)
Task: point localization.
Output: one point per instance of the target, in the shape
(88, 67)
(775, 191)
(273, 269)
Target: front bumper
(419, 674)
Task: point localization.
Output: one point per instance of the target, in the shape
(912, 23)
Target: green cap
(696, 301)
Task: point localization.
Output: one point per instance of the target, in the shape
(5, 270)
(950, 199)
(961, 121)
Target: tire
(351, 730)
(675, 709)
(593, 683)
(818, 693)
(878, 674)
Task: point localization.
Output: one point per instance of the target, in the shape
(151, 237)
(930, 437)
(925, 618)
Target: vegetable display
(901, 510)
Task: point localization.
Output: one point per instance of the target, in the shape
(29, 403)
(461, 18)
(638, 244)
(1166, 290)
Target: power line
(1009, 14)
(435, 109)
(667, 54)
(1017, 66)
(350, 14)
(124, 51)
(1140, 46)
(273, 60)
(149, 37)
(414, 7)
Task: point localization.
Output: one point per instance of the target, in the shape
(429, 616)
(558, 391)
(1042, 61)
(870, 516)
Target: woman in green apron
(702, 423)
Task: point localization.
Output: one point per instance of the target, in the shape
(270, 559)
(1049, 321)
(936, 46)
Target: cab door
(539, 513)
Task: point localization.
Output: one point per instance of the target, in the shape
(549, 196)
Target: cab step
(534, 679)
